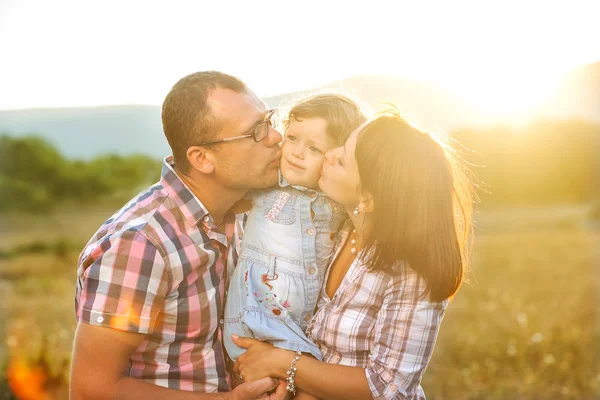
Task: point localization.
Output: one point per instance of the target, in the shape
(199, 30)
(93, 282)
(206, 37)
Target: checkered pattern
(159, 267)
(377, 321)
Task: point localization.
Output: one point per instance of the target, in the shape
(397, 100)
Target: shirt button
(207, 218)
(311, 271)
(310, 231)
(100, 319)
(307, 317)
(221, 322)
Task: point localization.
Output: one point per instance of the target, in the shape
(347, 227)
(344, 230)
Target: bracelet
(291, 386)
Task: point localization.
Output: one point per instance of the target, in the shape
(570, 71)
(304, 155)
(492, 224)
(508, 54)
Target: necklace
(353, 249)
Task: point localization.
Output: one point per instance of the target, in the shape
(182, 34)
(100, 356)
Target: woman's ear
(366, 203)
(200, 159)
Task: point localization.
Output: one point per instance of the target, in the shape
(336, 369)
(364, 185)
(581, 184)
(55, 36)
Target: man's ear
(366, 202)
(201, 159)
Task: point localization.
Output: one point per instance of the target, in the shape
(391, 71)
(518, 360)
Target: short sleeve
(405, 333)
(122, 284)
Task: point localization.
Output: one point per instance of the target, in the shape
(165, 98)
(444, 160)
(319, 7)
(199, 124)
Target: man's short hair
(187, 118)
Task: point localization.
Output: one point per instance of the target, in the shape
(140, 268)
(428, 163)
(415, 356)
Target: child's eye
(291, 138)
(340, 163)
(315, 150)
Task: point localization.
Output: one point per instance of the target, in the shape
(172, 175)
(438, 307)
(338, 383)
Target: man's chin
(270, 178)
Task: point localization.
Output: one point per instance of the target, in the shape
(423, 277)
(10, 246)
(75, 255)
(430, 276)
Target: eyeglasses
(259, 132)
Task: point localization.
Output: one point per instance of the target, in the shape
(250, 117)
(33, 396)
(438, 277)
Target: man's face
(243, 164)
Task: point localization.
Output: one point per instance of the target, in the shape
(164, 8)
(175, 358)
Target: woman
(399, 258)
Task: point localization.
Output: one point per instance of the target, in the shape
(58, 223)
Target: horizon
(308, 89)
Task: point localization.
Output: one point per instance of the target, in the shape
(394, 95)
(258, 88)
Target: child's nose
(298, 152)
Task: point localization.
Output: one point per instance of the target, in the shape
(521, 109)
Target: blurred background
(516, 83)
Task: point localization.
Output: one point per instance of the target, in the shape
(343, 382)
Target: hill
(87, 132)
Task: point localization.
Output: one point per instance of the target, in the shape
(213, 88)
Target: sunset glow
(503, 57)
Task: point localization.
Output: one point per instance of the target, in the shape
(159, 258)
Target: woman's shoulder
(404, 281)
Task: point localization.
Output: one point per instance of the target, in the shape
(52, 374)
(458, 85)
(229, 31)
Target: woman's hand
(261, 360)
(260, 390)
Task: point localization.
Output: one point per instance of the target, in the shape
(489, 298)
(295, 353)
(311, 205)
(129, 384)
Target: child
(290, 232)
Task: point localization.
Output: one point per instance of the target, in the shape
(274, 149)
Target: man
(151, 283)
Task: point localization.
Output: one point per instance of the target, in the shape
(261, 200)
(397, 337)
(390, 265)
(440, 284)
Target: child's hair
(343, 115)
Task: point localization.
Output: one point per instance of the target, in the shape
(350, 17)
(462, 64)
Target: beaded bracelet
(291, 386)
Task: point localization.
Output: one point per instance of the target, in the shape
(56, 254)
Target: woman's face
(339, 177)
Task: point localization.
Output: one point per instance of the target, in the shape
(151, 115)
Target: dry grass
(526, 326)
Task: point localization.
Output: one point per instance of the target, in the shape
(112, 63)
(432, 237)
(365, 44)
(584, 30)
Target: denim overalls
(288, 241)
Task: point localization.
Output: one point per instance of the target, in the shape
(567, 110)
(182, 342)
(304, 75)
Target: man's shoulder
(142, 214)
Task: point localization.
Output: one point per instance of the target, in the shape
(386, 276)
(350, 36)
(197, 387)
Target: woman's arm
(300, 395)
(320, 379)
(405, 331)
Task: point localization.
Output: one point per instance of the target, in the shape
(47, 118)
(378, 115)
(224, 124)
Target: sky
(64, 53)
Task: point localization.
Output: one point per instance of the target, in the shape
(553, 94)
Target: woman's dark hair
(423, 199)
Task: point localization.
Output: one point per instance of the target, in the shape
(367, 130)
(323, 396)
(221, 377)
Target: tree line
(543, 163)
(35, 176)
(546, 162)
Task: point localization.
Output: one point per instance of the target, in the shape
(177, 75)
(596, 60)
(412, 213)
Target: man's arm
(101, 355)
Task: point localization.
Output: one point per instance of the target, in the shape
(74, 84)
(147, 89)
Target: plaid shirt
(158, 267)
(376, 321)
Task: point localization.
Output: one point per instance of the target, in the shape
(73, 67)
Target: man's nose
(273, 137)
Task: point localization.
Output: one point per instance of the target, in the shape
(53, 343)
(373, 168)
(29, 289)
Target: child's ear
(366, 202)
(201, 159)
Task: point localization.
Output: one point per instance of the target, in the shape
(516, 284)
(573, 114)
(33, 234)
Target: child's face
(303, 151)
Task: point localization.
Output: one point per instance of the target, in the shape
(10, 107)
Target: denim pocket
(279, 207)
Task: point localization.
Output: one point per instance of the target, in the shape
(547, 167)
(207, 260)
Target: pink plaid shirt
(377, 321)
(159, 267)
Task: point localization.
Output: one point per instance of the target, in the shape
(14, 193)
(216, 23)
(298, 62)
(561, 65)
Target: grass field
(525, 326)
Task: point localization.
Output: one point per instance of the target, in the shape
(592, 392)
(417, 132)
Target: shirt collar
(283, 183)
(191, 207)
